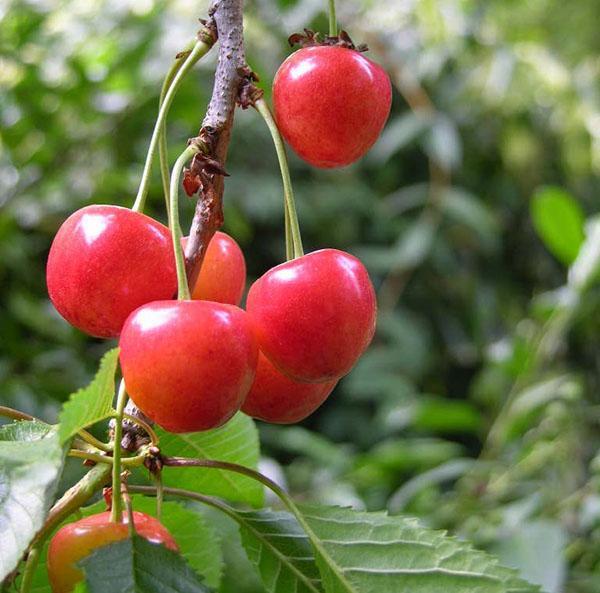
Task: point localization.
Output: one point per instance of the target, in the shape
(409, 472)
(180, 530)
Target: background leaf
(558, 220)
(92, 403)
(137, 566)
(31, 460)
(236, 442)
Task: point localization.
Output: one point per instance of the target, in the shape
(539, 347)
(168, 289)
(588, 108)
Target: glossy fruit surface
(75, 541)
(274, 397)
(315, 315)
(188, 365)
(331, 104)
(104, 263)
(222, 277)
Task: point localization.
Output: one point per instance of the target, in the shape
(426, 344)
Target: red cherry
(105, 262)
(315, 315)
(222, 278)
(331, 104)
(75, 541)
(188, 365)
(276, 398)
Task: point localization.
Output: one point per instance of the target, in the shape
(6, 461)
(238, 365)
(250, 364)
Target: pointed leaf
(137, 566)
(31, 460)
(92, 403)
(237, 442)
(359, 552)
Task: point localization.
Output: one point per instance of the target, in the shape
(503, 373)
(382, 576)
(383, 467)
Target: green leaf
(31, 460)
(137, 566)
(198, 542)
(359, 552)
(236, 442)
(280, 550)
(92, 403)
(558, 220)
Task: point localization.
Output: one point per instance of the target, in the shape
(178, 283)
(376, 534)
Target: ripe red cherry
(188, 365)
(75, 541)
(222, 277)
(105, 262)
(315, 315)
(331, 104)
(276, 398)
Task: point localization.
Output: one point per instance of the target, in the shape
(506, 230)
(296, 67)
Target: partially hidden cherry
(276, 398)
(75, 541)
(188, 365)
(315, 315)
(331, 104)
(105, 262)
(222, 278)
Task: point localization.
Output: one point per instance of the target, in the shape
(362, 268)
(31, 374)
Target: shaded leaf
(137, 566)
(280, 550)
(92, 403)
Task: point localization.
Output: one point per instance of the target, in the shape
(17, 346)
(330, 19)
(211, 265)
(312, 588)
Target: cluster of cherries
(190, 365)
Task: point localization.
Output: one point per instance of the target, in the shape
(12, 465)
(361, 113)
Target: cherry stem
(162, 141)
(115, 512)
(199, 49)
(33, 557)
(292, 226)
(183, 290)
(332, 20)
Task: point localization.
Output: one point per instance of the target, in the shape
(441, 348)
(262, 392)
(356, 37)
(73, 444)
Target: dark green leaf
(137, 566)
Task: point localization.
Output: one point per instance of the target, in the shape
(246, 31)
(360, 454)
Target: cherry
(276, 398)
(315, 315)
(105, 262)
(188, 365)
(331, 104)
(75, 541)
(222, 277)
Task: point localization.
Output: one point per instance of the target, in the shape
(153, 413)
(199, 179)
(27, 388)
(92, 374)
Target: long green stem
(332, 19)
(32, 561)
(200, 49)
(162, 141)
(115, 513)
(183, 290)
(292, 216)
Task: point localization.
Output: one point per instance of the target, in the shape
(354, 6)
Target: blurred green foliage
(477, 406)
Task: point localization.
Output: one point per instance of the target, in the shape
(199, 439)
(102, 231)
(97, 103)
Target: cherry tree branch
(216, 129)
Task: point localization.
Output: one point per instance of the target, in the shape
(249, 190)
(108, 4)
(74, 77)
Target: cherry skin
(104, 263)
(188, 365)
(75, 541)
(222, 278)
(276, 398)
(331, 104)
(315, 315)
